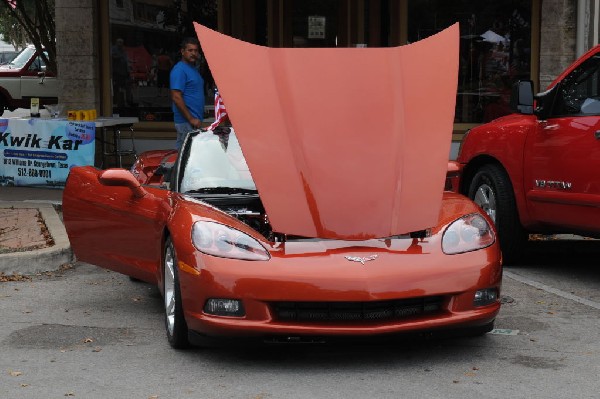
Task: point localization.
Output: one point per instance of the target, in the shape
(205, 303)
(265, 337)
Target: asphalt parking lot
(89, 333)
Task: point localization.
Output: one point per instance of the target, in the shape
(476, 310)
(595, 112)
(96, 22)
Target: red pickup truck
(25, 77)
(538, 169)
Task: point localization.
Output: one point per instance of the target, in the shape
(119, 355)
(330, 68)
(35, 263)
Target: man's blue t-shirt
(188, 81)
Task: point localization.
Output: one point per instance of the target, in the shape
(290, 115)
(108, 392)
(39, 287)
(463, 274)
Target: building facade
(501, 41)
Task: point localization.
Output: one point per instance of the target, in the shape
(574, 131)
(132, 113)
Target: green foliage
(30, 21)
(11, 31)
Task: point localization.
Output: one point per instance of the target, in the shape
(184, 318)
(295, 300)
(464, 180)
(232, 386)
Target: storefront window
(145, 37)
(495, 49)
(315, 23)
(495, 42)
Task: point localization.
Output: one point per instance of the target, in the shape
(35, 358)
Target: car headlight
(219, 240)
(469, 233)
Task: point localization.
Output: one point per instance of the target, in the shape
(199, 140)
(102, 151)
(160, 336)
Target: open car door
(113, 222)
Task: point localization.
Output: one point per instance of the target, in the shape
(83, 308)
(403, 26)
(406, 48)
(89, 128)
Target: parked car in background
(25, 77)
(536, 171)
(7, 56)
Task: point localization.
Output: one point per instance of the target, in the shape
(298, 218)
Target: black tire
(492, 190)
(2, 106)
(175, 325)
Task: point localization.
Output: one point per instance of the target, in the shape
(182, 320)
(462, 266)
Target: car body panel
(564, 154)
(110, 227)
(303, 279)
(34, 86)
(360, 119)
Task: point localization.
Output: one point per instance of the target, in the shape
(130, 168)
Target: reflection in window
(315, 23)
(495, 49)
(145, 38)
(579, 93)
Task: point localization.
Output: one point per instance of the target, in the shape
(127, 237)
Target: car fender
(6, 88)
(502, 142)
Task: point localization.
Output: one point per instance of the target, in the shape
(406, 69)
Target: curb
(44, 259)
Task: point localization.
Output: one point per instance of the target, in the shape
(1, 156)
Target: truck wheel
(1, 106)
(492, 191)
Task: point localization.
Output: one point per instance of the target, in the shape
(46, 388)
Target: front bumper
(260, 285)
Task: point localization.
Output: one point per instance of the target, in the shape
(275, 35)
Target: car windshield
(7, 56)
(215, 164)
(21, 59)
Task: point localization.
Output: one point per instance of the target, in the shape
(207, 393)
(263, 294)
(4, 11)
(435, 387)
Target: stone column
(588, 31)
(558, 38)
(77, 54)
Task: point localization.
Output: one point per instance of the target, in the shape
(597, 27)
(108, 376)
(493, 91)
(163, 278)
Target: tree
(11, 31)
(35, 19)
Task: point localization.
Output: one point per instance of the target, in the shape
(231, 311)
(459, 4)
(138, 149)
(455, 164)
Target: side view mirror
(122, 178)
(521, 98)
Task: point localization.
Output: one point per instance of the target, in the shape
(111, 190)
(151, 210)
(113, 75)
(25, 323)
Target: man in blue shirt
(187, 91)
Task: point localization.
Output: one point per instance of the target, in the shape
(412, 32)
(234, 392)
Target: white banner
(37, 151)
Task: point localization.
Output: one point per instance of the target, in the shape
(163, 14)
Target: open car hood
(348, 143)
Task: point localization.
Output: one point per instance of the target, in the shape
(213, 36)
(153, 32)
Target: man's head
(119, 42)
(190, 50)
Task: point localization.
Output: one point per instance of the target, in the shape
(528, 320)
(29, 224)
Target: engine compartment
(248, 209)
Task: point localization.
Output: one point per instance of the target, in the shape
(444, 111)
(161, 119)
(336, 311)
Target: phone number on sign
(32, 172)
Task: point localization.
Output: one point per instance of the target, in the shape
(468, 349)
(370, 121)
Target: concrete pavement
(32, 236)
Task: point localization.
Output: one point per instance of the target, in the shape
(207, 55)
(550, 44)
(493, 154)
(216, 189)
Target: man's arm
(177, 98)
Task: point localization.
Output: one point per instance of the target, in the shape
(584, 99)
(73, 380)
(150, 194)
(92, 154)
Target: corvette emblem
(361, 259)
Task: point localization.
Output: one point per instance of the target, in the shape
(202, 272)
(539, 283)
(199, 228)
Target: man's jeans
(182, 130)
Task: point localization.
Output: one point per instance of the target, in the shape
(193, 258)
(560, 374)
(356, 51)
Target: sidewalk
(32, 236)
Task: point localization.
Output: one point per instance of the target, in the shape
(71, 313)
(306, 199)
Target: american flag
(220, 111)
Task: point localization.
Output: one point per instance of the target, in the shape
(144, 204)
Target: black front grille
(356, 311)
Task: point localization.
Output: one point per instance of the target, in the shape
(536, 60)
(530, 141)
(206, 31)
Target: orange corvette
(321, 215)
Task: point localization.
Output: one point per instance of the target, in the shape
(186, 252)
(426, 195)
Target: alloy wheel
(486, 199)
(170, 289)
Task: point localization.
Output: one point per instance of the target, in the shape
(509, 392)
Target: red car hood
(348, 143)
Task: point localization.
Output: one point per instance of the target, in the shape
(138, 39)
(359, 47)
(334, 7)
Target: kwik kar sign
(42, 151)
